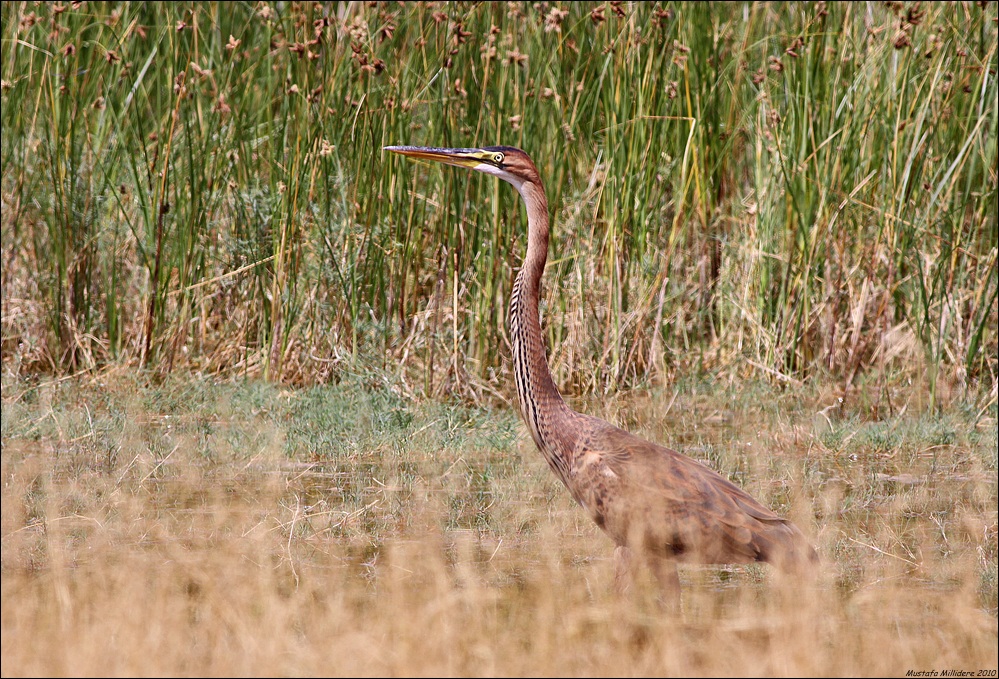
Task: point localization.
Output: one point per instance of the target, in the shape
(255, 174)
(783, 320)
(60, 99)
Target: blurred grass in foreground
(195, 528)
(753, 189)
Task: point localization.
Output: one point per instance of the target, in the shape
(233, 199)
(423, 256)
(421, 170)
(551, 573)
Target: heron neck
(541, 405)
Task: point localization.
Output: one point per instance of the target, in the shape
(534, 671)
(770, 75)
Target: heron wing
(674, 504)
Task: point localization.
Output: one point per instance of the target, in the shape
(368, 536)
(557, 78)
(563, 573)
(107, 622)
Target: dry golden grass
(198, 529)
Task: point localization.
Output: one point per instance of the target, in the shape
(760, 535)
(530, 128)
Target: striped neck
(541, 405)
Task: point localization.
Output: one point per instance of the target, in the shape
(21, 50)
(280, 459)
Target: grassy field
(196, 527)
(257, 404)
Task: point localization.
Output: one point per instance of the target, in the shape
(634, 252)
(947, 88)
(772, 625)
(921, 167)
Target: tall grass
(789, 189)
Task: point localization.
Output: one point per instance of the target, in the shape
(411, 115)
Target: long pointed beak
(469, 158)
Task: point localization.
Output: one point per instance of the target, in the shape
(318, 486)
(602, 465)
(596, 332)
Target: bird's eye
(498, 158)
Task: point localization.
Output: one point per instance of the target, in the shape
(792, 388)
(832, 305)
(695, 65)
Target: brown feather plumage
(649, 497)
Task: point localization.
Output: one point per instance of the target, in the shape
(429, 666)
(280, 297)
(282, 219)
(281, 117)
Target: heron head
(506, 162)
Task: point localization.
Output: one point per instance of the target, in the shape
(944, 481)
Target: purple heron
(651, 500)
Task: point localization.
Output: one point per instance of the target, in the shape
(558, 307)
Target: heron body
(651, 500)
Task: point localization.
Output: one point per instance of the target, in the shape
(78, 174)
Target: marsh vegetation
(256, 394)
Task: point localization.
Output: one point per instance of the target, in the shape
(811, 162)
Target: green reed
(796, 189)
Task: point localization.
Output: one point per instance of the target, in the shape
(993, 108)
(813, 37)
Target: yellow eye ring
(498, 158)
